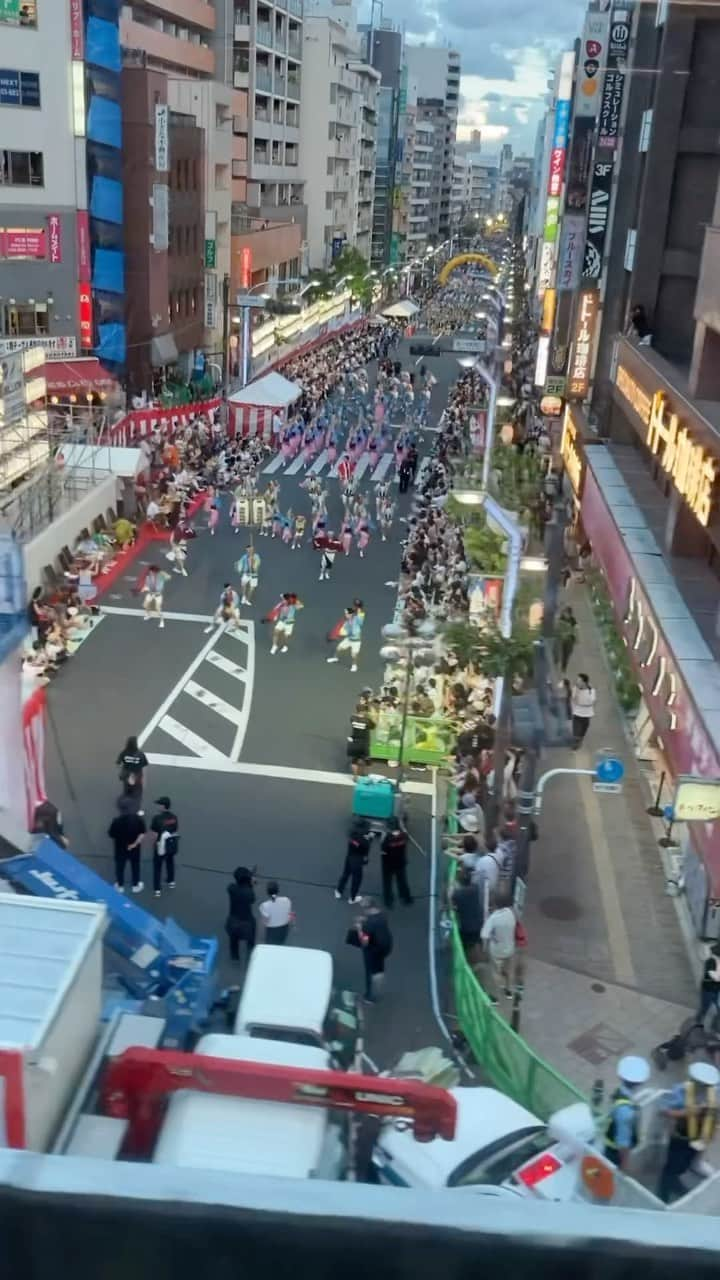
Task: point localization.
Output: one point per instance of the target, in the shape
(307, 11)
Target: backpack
(167, 844)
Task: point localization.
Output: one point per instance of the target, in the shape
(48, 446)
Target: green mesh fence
(507, 1060)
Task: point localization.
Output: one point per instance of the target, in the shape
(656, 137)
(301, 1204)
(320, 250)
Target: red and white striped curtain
(251, 420)
(34, 739)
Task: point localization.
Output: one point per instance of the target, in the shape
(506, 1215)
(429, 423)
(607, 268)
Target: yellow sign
(460, 261)
(570, 453)
(697, 800)
(691, 468)
(548, 311)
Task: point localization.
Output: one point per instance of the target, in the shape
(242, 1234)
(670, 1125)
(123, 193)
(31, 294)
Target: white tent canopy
(272, 391)
(404, 310)
(125, 463)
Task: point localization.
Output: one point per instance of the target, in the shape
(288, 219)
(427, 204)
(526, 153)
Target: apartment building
(434, 87)
(384, 53)
(475, 187)
(43, 180)
(338, 139)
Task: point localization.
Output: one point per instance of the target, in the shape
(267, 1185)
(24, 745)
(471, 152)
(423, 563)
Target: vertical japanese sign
(82, 228)
(162, 137)
(85, 316)
(548, 253)
(581, 358)
(592, 56)
(614, 84)
(245, 267)
(598, 218)
(571, 252)
(77, 36)
(55, 252)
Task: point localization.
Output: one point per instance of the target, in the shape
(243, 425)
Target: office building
(434, 88)
(338, 123)
(475, 188)
(384, 53)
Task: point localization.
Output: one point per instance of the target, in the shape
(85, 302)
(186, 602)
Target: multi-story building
(384, 53)
(434, 86)
(43, 179)
(338, 128)
(259, 54)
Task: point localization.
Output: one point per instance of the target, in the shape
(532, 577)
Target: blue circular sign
(610, 770)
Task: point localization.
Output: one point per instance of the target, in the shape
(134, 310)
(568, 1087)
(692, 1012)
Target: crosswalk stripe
(226, 666)
(193, 741)
(382, 468)
(318, 464)
(362, 466)
(208, 699)
(333, 471)
(273, 466)
(295, 465)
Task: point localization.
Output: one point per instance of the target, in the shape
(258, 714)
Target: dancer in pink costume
(363, 536)
(346, 537)
(213, 517)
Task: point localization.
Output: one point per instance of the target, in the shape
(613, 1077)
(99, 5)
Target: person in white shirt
(277, 915)
(582, 705)
(498, 937)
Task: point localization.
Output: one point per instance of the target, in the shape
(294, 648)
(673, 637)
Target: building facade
(338, 131)
(384, 53)
(433, 89)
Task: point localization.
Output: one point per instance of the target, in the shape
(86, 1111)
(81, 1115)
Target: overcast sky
(507, 47)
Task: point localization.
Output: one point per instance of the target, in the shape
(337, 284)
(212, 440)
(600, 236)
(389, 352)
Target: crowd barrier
(141, 422)
(504, 1057)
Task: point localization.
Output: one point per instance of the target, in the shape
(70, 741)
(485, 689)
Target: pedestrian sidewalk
(607, 966)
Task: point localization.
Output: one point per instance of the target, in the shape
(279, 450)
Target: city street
(250, 747)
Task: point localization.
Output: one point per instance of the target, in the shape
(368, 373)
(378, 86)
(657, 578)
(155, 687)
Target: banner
(162, 137)
(580, 361)
(614, 85)
(552, 217)
(77, 38)
(82, 227)
(245, 267)
(571, 252)
(55, 253)
(85, 316)
(593, 51)
(598, 218)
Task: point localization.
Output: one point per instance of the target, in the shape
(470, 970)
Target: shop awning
(163, 351)
(271, 392)
(68, 377)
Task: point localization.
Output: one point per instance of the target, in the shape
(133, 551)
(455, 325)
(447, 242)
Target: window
(495, 1164)
(21, 169)
(19, 88)
(630, 249)
(645, 130)
(26, 320)
(661, 12)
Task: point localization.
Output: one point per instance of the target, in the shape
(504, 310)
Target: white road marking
(285, 772)
(122, 612)
(239, 739)
(273, 466)
(318, 464)
(229, 668)
(295, 465)
(211, 700)
(177, 688)
(203, 749)
(620, 952)
(382, 468)
(333, 471)
(362, 466)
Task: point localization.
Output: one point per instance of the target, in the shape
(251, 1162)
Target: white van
(288, 995)
(245, 1135)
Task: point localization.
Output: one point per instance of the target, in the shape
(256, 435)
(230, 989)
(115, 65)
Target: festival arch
(460, 261)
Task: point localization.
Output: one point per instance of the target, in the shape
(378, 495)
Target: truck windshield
(493, 1165)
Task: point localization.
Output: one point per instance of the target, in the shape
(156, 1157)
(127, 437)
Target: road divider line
(285, 772)
(239, 739)
(226, 666)
(122, 612)
(210, 700)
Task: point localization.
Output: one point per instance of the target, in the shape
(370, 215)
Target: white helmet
(704, 1073)
(633, 1070)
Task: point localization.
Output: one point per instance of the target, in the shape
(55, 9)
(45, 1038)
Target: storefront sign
(55, 253)
(57, 348)
(23, 242)
(614, 85)
(693, 470)
(696, 800)
(573, 460)
(548, 258)
(557, 171)
(560, 345)
(598, 218)
(686, 742)
(211, 253)
(580, 360)
(77, 39)
(541, 364)
(82, 227)
(548, 315)
(10, 12)
(592, 57)
(571, 250)
(162, 137)
(562, 123)
(245, 267)
(551, 406)
(19, 88)
(552, 215)
(85, 316)
(579, 164)
(161, 217)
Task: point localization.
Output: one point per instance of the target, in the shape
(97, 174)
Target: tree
(351, 264)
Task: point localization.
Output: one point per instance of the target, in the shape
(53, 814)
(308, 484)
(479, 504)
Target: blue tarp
(106, 200)
(112, 343)
(109, 271)
(104, 122)
(102, 44)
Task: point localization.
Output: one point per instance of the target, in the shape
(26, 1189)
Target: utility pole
(226, 335)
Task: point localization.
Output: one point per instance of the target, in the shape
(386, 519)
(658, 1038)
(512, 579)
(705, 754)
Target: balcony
(294, 47)
(241, 77)
(239, 124)
(341, 183)
(159, 46)
(264, 35)
(293, 87)
(341, 149)
(280, 85)
(263, 79)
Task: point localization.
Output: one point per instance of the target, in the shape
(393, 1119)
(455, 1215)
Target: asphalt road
(242, 773)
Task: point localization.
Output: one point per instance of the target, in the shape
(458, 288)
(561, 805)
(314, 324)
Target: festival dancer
(228, 610)
(213, 517)
(277, 523)
(327, 558)
(385, 519)
(288, 523)
(348, 633)
(283, 618)
(362, 533)
(152, 585)
(298, 532)
(248, 566)
(346, 536)
(177, 555)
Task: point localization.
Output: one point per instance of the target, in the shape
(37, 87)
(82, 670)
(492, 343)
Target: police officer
(622, 1132)
(693, 1109)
